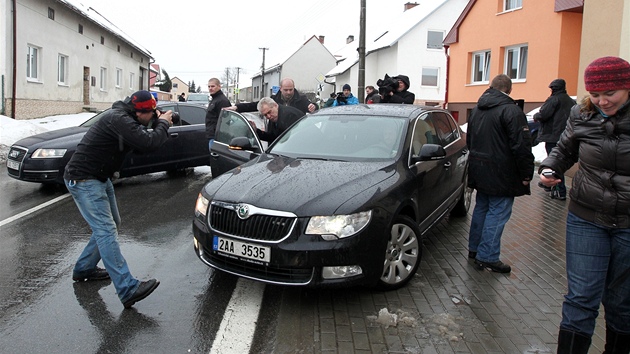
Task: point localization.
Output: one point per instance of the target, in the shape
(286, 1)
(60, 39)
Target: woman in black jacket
(598, 223)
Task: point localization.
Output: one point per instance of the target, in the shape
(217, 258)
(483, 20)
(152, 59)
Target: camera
(387, 85)
(341, 98)
(174, 117)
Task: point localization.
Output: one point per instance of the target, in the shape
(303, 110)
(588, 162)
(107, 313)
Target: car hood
(61, 138)
(302, 186)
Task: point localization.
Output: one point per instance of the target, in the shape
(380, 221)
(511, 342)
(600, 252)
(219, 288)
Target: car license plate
(14, 165)
(242, 249)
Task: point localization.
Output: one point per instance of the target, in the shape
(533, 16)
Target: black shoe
(472, 254)
(145, 289)
(96, 274)
(498, 266)
(547, 189)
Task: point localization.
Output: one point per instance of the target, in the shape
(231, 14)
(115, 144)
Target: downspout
(448, 69)
(13, 89)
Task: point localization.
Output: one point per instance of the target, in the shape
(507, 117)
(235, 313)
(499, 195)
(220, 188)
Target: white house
(412, 46)
(68, 58)
(308, 78)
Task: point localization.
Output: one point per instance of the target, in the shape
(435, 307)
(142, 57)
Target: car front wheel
(402, 253)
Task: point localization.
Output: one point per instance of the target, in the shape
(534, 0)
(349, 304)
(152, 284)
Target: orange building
(532, 41)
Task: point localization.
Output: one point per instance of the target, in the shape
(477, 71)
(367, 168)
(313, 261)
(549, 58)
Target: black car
(341, 197)
(43, 157)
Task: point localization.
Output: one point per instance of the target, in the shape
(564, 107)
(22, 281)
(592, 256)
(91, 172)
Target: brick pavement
(449, 306)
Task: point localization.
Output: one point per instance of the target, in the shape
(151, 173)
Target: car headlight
(338, 226)
(48, 153)
(201, 207)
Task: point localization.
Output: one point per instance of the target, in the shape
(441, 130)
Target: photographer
(345, 97)
(88, 175)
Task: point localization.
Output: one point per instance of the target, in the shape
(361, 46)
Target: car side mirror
(429, 152)
(240, 143)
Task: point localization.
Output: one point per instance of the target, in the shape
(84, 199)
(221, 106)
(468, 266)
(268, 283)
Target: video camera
(387, 85)
(341, 98)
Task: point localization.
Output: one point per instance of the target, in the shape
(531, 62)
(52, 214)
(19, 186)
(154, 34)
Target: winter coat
(218, 102)
(404, 95)
(104, 146)
(500, 147)
(600, 190)
(554, 112)
(374, 97)
(350, 100)
(297, 101)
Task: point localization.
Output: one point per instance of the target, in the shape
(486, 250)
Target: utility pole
(227, 82)
(238, 71)
(361, 88)
(262, 76)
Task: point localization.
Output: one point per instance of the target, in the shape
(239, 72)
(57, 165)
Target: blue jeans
(210, 142)
(486, 227)
(562, 187)
(97, 203)
(597, 259)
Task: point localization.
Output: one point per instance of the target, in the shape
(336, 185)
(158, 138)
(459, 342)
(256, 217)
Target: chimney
(321, 39)
(410, 5)
(350, 39)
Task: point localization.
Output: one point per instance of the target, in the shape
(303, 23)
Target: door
(229, 126)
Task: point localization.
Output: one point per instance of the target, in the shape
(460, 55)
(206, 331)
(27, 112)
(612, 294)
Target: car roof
(382, 109)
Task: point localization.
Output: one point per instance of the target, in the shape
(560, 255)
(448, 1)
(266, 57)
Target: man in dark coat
(501, 165)
(553, 119)
(218, 102)
(287, 96)
(279, 118)
(403, 92)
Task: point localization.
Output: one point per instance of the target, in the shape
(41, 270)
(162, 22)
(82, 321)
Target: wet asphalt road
(43, 311)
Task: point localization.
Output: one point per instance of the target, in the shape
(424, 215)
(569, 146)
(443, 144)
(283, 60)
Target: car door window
(446, 131)
(232, 125)
(423, 133)
(192, 114)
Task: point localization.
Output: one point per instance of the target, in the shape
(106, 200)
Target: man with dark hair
(218, 102)
(287, 96)
(501, 165)
(88, 176)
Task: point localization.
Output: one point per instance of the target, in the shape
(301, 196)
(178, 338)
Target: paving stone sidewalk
(449, 306)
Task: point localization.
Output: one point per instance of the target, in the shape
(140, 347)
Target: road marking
(34, 209)
(236, 331)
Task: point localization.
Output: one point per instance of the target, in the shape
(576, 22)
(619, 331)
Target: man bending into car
(279, 118)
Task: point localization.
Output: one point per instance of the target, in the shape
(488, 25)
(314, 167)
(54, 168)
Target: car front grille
(16, 154)
(262, 225)
(266, 273)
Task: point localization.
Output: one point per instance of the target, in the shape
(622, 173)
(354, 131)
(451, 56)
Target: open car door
(235, 141)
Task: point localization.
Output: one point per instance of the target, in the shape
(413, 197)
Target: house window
(102, 40)
(62, 69)
(512, 4)
(131, 78)
(516, 62)
(51, 13)
(80, 28)
(32, 63)
(430, 77)
(175, 85)
(119, 48)
(480, 67)
(103, 79)
(118, 77)
(434, 39)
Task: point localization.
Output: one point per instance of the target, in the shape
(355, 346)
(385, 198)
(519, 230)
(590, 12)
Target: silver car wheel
(402, 255)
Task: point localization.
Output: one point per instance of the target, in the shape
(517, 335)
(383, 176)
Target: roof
(93, 16)
(400, 26)
(287, 57)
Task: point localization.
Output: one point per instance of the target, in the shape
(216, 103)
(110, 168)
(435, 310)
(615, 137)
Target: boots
(570, 342)
(616, 343)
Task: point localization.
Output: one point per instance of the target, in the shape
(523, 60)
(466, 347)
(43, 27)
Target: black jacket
(600, 190)
(374, 97)
(297, 101)
(500, 147)
(404, 96)
(102, 150)
(286, 117)
(218, 102)
(554, 112)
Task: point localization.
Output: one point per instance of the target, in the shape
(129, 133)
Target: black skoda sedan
(342, 197)
(42, 158)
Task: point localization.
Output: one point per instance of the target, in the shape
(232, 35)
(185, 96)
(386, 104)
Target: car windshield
(88, 123)
(342, 137)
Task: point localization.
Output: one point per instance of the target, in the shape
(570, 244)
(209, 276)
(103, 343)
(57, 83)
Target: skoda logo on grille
(242, 211)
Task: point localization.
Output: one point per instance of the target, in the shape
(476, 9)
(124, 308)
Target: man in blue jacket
(346, 97)
(500, 167)
(88, 176)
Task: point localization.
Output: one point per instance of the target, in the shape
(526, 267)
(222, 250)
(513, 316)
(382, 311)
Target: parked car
(344, 196)
(42, 158)
(199, 98)
(533, 125)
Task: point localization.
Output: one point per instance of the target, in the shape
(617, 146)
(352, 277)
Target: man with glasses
(286, 96)
(279, 118)
(218, 102)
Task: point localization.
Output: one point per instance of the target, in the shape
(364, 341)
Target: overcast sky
(198, 39)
